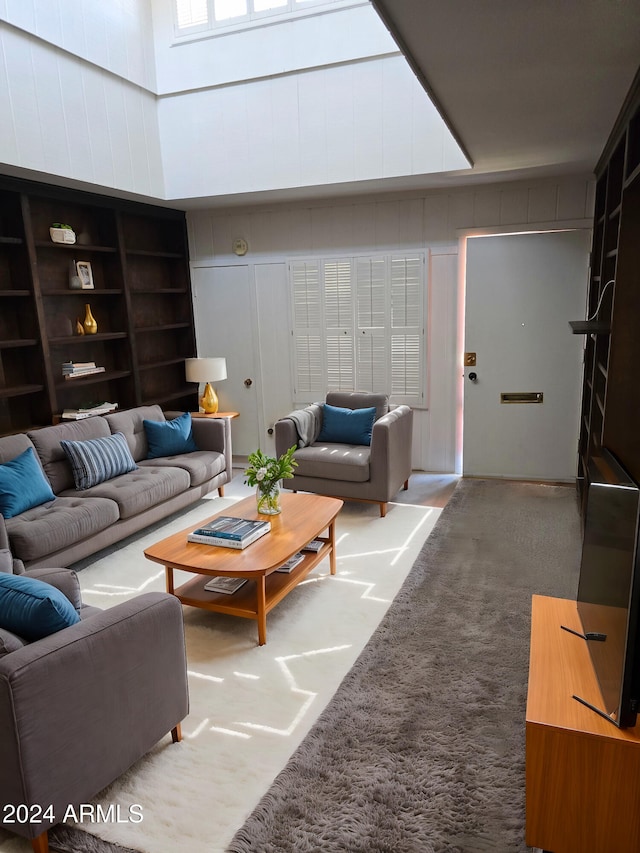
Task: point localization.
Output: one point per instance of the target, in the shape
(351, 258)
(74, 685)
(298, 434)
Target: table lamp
(206, 370)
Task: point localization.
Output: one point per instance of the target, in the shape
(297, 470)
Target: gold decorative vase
(209, 400)
(90, 326)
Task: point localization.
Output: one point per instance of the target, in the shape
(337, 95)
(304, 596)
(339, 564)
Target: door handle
(473, 377)
(248, 383)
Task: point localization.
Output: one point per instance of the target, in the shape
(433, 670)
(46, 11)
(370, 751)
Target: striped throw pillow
(98, 459)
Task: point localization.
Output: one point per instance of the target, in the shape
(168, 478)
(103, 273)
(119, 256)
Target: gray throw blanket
(308, 423)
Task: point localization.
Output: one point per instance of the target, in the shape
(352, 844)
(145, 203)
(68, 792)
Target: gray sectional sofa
(77, 523)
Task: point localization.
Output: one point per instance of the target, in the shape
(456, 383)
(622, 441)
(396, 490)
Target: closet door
(225, 327)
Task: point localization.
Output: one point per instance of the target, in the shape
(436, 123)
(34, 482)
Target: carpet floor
(421, 750)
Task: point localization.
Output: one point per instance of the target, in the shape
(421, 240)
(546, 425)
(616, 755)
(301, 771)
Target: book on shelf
(71, 366)
(85, 371)
(88, 411)
(229, 532)
(315, 545)
(226, 585)
(291, 563)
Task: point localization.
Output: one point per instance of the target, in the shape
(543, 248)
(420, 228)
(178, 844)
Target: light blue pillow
(346, 426)
(23, 485)
(168, 438)
(98, 459)
(33, 609)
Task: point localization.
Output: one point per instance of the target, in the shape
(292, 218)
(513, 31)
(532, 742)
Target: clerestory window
(196, 15)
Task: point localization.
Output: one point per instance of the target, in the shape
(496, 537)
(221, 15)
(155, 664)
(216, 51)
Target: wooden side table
(229, 415)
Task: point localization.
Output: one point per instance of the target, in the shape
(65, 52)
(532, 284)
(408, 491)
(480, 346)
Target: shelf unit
(141, 300)
(610, 415)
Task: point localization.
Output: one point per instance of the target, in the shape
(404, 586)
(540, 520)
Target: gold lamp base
(209, 400)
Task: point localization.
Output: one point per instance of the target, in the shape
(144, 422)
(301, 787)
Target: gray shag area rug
(422, 748)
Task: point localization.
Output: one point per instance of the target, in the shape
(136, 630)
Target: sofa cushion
(334, 462)
(22, 485)
(98, 459)
(141, 489)
(359, 400)
(346, 426)
(131, 423)
(6, 561)
(168, 438)
(50, 528)
(202, 465)
(10, 642)
(53, 458)
(33, 609)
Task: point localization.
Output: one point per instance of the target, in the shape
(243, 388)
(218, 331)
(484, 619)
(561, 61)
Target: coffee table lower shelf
(245, 602)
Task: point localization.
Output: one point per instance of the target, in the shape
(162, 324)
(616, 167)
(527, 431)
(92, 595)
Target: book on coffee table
(291, 563)
(229, 532)
(226, 585)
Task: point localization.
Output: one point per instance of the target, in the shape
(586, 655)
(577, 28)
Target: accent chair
(353, 446)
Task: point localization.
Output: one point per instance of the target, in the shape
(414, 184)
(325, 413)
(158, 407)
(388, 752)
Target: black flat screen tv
(609, 588)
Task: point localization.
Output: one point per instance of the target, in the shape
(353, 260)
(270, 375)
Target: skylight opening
(193, 16)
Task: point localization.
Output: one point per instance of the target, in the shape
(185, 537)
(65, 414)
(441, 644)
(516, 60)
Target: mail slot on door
(521, 397)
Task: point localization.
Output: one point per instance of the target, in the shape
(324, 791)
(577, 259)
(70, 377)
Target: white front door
(521, 292)
(224, 326)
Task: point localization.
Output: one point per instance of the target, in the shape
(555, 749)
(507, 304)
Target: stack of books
(228, 531)
(88, 411)
(74, 369)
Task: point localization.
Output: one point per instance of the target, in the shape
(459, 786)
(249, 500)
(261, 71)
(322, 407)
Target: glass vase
(268, 498)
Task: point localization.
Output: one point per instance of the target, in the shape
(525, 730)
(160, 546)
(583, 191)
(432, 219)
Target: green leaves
(267, 470)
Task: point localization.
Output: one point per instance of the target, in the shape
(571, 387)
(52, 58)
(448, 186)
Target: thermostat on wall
(240, 246)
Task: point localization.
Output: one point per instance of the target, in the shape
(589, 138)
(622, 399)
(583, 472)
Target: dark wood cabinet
(141, 300)
(610, 414)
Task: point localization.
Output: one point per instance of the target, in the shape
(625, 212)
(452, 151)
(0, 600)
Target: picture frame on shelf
(85, 274)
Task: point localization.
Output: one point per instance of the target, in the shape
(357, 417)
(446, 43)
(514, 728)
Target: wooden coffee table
(304, 517)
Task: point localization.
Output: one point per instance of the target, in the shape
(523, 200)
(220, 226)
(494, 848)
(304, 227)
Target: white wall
(432, 221)
(116, 35)
(264, 49)
(68, 117)
(352, 122)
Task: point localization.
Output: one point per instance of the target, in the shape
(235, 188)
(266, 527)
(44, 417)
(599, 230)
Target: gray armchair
(79, 707)
(359, 472)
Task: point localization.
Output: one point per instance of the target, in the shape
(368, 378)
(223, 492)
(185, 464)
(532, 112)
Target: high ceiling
(527, 88)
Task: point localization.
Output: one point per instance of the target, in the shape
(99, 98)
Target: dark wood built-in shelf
(141, 300)
(590, 327)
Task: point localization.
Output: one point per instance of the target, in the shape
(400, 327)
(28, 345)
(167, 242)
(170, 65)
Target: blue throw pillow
(32, 608)
(98, 459)
(23, 485)
(346, 426)
(167, 438)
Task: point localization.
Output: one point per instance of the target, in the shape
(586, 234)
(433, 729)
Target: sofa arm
(214, 434)
(299, 428)
(391, 440)
(66, 580)
(79, 707)
(286, 435)
(18, 565)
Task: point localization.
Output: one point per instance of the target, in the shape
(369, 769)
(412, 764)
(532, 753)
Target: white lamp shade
(205, 369)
